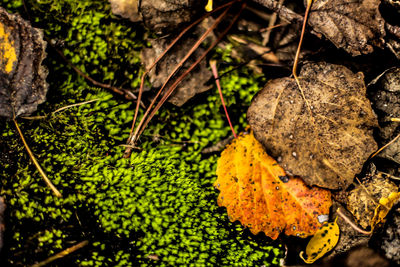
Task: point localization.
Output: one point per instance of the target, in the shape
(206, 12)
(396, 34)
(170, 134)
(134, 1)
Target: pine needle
(62, 254)
(42, 173)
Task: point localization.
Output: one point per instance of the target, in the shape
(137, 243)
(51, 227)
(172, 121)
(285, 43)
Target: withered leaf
(128, 9)
(328, 148)
(165, 16)
(257, 192)
(324, 240)
(364, 200)
(22, 76)
(192, 84)
(353, 25)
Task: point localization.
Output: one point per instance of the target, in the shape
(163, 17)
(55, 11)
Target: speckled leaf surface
(324, 240)
(353, 25)
(22, 76)
(328, 147)
(257, 192)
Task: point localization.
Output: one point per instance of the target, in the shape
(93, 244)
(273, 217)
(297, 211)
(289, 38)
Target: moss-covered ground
(157, 207)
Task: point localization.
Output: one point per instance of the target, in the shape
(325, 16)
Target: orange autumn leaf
(257, 192)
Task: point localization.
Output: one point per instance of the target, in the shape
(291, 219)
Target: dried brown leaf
(353, 25)
(328, 148)
(163, 16)
(363, 200)
(193, 83)
(128, 9)
(22, 76)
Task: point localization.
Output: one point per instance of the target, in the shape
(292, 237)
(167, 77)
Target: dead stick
(281, 10)
(42, 173)
(62, 254)
(385, 146)
(121, 91)
(353, 225)
(61, 109)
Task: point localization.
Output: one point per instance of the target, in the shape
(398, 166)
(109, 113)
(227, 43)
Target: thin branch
(60, 109)
(62, 254)
(121, 91)
(42, 173)
(282, 11)
(176, 83)
(385, 146)
(143, 123)
(131, 136)
(353, 225)
(213, 65)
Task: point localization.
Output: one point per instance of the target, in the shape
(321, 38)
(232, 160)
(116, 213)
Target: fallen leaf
(385, 205)
(22, 77)
(257, 192)
(192, 84)
(363, 201)
(353, 25)
(324, 240)
(328, 148)
(163, 16)
(128, 9)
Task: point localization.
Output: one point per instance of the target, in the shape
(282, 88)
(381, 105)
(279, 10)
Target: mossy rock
(157, 207)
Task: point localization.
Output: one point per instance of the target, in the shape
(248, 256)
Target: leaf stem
(296, 58)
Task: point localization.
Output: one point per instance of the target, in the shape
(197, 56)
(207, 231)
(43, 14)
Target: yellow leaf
(257, 192)
(385, 204)
(324, 240)
(209, 6)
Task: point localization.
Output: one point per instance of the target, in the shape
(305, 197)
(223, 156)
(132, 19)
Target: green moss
(160, 203)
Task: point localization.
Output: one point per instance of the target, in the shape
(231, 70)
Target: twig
(131, 135)
(121, 91)
(213, 65)
(176, 83)
(385, 146)
(388, 175)
(271, 23)
(282, 11)
(143, 123)
(60, 109)
(218, 146)
(42, 173)
(353, 225)
(62, 254)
